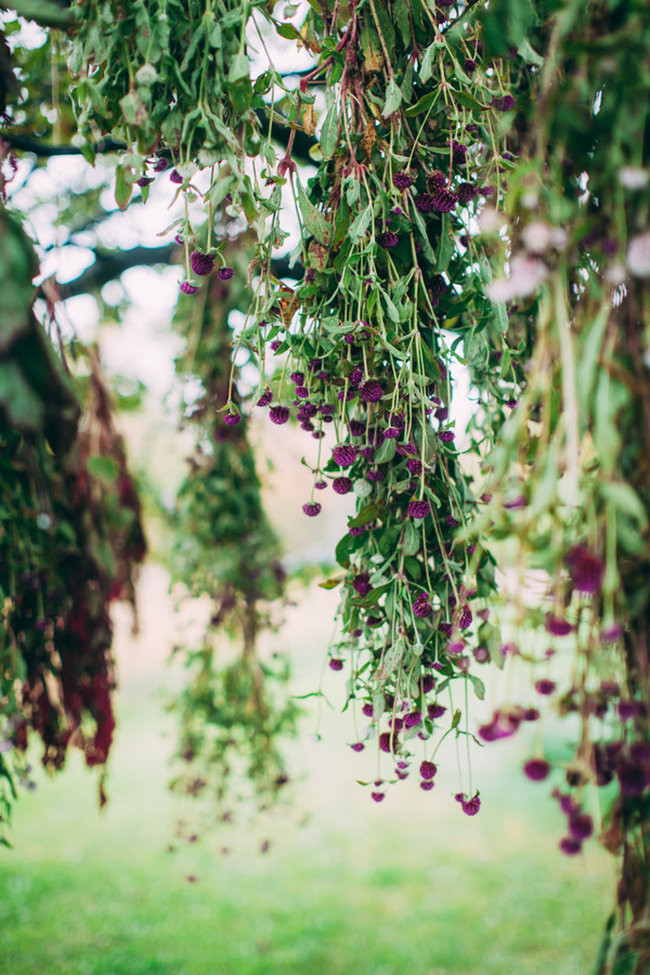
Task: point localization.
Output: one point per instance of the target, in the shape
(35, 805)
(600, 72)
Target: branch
(44, 12)
(109, 265)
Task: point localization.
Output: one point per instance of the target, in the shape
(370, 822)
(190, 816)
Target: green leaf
(411, 544)
(360, 224)
(331, 583)
(123, 188)
(386, 451)
(342, 551)
(478, 685)
(468, 101)
(500, 317)
(239, 68)
(328, 132)
(625, 499)
(422, 105)
(315, 222)
(18, 400)
(366, 515)
(103, 468)
(426, 70)
(456, 719)
(446, 246)
(393, 98)
(287, 30)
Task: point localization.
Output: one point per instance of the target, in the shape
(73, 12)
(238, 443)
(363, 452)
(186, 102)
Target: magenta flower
(503, 103)
(465, 618)
(371, 391)
(188, 289)
(342, 485)
(265, 398)
(312, 508)
(336, 664)
(556, 626)
(545, 686)
(387, 239)
(436, 711)
(466, 193)
(428, 770)
(344, 455)
(232, 419)
(536, 769)
(358, 746)
(422, 606)
(503, 725)
(469, 806)
(402, 180)
(444, 201)
(279, 414)
(201, 264)
(412, 719)
(419, 509)
(426, 785)
(361, 584)
(581, 826)
(425, 203)
(469, 65)
(378, 796)
(225, 273)
(175, 177)
(586, 570)
(569, 846)
(414, 466)
(368, 710)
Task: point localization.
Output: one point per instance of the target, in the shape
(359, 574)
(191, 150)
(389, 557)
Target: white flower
(209, 157)
(615, 274)
(490, 220)
(500, 290)
(530, 200)
(638, 256)
(146, 75)
(633, 178)
(526, 275)
(362, 488)
(187, 169)
(536, 236)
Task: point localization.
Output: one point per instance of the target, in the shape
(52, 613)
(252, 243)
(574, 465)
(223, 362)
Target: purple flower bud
(175, 177)
(412, 719)
(361, 584)
(335, 664)
(188, 289)
(414, 466)
(371, 391)
(265, 398)
(358, 746)
(428, 770)
(402, 180)
(569, 846)
(469, 65)
(387, 239)
(378, 796)
(419, 509)
(356, 428)
(344, 454)
(545, 686)
(368, 710)
(342, 485)
(201, 264)
(312, 508)
(503, 103)
(425, 203)
(279, 414)
(426, 785)
(232, 419)
(581, 826)
(422, 606)
(225, 273)
(587, 571)
(447, 436)
(144, 181)
(537, 769)
(556, 626)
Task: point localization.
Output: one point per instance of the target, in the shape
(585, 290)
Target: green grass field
(347, 887)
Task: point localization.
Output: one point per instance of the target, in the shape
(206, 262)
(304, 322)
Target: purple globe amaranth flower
(335, 664)
(344, 454)
(232, 419)
(465, 618)
(503, 103)
(422, 606)
(368, 710)
(629, 709)
(202, 264)
(391, 433)
(419, 509)
(361, 584)
(428, 770)
(557, 626)
(425, 203)
(402, 180)
(611, 633)
(378, 796)
(358, 530)
(355, 377)
(530, 714)
(586, 571)
(275, 345)
(545, 686)
(469, 806)
(632, 778)
(279, 414)
(302, 392)
(504, 724)
(371, 391)
(447, 436)
(144, 181)
(444, 201)
(386, 741)
(435, 711)
(356, 428)
(387, 239)
(581, 826)
(175, 177)
(320, 485)
(537, 769)
(188, 288)
(414, 466)
(225, 273)
(412, 719)
(342, 485)
(437, 180)
(481, 655)
(298, 378)
(469, 64)
(375, 474)
(569, 846)
(426, 785)
(358, 746)
(265, 398)
(312, 508)
(466, 193)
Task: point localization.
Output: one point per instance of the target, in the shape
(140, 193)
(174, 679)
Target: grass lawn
(411, 886)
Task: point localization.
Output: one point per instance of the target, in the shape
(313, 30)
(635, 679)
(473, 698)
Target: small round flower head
(344, 454)
(160, 166)
(298, 378)
(425, 203)
(279, 414)
(422, 606)
(225, 273)
(629, 709)
(465, 618)
(469, 64)
(175, 177)
(414, 466)
(466, 193)
(188, 288)
(587, 571)
(503, 103)
(385, 741)
(412, 719)
(361, 584)
(545, 686)
(144, 181)
(581, 826)
(437, 285)
(378, 796)
(275, 345)
(470, 806)
(368, 710)
(357, 530)
(402, 180)
(536, 769)
(371, 391)
(436, 180)
(569, 846)
(376, 474)
(358, 746)
(232, 419)
(419, 509)
(312, 508)
(356, 428)
(426, 785)
(459, 151)
(265, 398)
(201, 264)
(320, 485)
(302, 392)
(481, 655)
(446, 436)
(428, 770)
(342, 485)
(391, 433)
(444, 201)
(632, 778)
(387, 239)
(556, 626)
(335, 664)
(436, 711)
